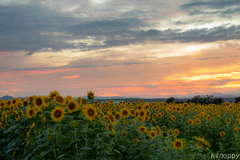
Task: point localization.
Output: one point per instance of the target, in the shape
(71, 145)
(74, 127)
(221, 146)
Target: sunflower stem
(76, 143)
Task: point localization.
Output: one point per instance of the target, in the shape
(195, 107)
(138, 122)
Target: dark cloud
(192, 35)
(233, 56)
(166, 63)
(30, 28)
(29, 53)
(223, 8)
(37, 29)
(211, 4)
(208, 58)
(198, 22)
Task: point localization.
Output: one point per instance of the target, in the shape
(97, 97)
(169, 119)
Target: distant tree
(207, 100)
(237, 99)
(172, 99)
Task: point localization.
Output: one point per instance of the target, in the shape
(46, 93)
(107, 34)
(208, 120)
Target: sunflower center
(83, 102)
(117, 116)
(178, 144)
(142, 129)
(59, 99)
(31, 112)
(153, 134)
(58, 114)
(111, 118)
(71, 106)
(125, 112)
(90, 112)
(142, 113)
(53, 95)
(39, 101)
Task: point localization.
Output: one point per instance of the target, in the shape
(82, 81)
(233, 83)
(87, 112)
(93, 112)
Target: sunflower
(211, 120)
(238, 120)
(173, 117)
(39, 102)
(176, 132)
(228, 120)
(123, 133)
(69, 97)
(52, 94)
(236, 129)
(124, 112)
(118, 115)
(90, 112)
(19, 104)
(152, 134)
(159, 115)
(148, 113)
(139, 107)
(90, 95)
(136, 114)
(199, 145)
(58, 114)
(59, 100)
(198, 121)
(178, 144)
(135, 141)
(190, 122)
(83, 101)
(72, 106)
(142, 114)
(30, 112)
(112, 119)
(222, 134)
(141, 129)
(207, 143)
(132, 112)
(147, 118)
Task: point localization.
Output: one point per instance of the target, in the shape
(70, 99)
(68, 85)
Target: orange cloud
(229, 85)
(75, 76)
(38, 71)
(107, 95)
(6, 83)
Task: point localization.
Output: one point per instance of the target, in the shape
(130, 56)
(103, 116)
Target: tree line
(208, 99)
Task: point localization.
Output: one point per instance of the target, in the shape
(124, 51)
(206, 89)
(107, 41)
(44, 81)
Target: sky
(131, 48)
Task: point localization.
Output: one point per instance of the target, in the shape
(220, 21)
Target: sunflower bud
(73, 123)
(112, 134)
(50, 136)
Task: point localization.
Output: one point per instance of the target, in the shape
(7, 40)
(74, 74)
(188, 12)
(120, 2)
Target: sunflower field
(54, 127)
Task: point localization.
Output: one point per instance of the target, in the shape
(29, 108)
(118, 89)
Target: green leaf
(61, 156)
(117, 151)
(86, 148)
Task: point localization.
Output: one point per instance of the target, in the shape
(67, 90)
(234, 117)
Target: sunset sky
(132, 48)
